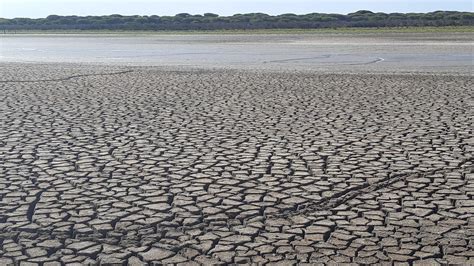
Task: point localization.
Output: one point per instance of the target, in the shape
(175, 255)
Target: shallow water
(407, 52)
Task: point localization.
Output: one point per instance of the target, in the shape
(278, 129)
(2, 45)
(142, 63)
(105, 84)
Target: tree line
(210, 21)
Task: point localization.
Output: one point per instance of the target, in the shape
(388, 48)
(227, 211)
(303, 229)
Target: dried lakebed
(388, 52)
(137, 165)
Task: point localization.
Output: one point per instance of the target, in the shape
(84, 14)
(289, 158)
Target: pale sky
(43, 8)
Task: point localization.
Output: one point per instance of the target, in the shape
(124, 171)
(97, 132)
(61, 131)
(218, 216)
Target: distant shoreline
(348, 30)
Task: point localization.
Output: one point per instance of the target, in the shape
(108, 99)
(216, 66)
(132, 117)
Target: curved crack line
(337, 199)
(378, 59)
(296, 59)
(66, 78)
(346, 195)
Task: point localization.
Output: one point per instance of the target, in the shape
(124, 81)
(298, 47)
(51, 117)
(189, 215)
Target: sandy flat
(408, 52)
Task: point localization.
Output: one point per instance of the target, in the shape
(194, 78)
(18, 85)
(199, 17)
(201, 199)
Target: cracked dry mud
(113, 165)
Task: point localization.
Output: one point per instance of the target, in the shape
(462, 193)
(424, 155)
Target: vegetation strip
(210, 21)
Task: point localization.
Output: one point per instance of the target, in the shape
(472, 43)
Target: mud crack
(66, 78)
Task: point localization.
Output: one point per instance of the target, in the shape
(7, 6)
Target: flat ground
(135, 164)
(326, 52)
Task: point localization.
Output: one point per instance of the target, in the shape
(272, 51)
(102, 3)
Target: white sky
(43, 8)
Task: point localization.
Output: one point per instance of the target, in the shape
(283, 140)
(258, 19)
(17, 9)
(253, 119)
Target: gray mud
(429, 52)
(121, 164)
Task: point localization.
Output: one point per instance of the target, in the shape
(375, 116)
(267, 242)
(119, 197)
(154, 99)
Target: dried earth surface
(336, 52)
(147, 165)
